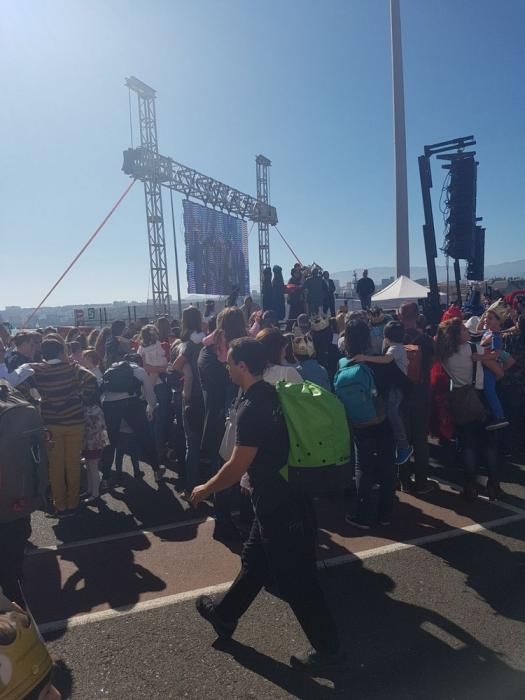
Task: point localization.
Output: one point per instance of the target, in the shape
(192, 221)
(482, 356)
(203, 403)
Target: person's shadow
(395, 650)
(502, 588)
(109, 575)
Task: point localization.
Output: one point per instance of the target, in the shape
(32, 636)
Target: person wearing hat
(309, 369)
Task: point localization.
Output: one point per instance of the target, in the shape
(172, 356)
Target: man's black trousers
(281, 550)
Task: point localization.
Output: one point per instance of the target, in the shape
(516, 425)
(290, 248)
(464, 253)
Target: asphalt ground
(443, 622)
(423, 613)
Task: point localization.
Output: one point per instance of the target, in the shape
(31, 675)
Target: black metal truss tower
(155, 171)
(263, 196)
(153, 197)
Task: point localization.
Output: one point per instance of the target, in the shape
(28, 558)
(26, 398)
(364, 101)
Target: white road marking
(163, 601)
(197, 521)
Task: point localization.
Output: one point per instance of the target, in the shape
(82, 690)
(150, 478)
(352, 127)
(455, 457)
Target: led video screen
(216, 251)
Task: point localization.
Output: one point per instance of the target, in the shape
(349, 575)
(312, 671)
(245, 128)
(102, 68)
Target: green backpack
(319, 438)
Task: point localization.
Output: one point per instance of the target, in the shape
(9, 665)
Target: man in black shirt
(365, 287)
(281, 545)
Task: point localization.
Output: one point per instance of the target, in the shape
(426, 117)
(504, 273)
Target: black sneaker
(428, 486)
(206, 609)
(355, 522)
(315, 661)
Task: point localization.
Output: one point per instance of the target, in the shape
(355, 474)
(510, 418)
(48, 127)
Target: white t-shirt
(276, 373)
(459, 367)
(400, 356)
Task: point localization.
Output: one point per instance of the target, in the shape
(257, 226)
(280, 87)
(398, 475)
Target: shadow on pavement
(400, 650)
(294, 682)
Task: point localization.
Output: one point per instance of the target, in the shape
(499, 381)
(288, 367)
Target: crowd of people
(198, 396)
(160, 393)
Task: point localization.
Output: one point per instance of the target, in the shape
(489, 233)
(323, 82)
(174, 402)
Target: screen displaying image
(216, 251)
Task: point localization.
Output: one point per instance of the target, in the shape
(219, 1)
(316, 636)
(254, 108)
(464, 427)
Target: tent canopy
(400, 290)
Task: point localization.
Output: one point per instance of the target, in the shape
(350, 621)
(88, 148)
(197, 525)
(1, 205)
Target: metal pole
(401, 190)
(457, 275)
(429, 237)
(176, 255)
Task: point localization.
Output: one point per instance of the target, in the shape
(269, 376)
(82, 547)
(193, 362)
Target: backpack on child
(354, 385)
(23, 456)
(319, 438)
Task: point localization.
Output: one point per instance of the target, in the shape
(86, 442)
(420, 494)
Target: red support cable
(88, 243)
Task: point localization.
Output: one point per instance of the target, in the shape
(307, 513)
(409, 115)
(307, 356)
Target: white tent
(400, 290)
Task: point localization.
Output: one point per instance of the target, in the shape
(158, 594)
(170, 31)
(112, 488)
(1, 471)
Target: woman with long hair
(72, 334)
(463, 364)
(275, 344)
(165, 335)
(100, 344)
(193, 402)
(219, 393)
(92, 337)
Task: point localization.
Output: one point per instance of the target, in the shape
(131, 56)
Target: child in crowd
(394, 352)
(91, 361)
(152, 353)
(95, 440)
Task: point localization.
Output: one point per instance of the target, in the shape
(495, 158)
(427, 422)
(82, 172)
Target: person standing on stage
(365, 288)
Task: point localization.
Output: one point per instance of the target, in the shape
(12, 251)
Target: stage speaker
(476, 265)
(461, 200)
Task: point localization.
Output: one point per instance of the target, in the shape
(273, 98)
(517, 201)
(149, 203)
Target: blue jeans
(477, 444)
(491, 394)
(393, 409)
(375, 472)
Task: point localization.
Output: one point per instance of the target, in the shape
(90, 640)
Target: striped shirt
(64, 388)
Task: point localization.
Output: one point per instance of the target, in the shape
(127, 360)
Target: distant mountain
(507, 269)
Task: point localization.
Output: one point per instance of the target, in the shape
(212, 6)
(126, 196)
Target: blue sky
(308, 84)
